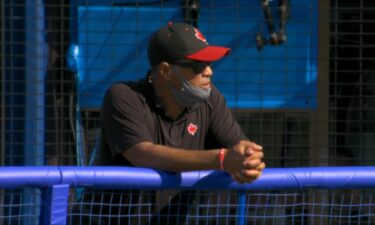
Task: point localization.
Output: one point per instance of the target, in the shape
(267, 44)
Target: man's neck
(171, 108)
(167, 102)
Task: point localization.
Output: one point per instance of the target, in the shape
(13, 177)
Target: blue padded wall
(110, 44)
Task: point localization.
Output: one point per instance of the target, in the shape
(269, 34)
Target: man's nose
(207, 72)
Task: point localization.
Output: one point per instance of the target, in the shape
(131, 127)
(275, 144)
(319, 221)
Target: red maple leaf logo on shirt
(192, 129)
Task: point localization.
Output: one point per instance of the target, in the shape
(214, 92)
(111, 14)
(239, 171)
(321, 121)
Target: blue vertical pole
(56, 205)
(36, 57)
(35, 70)
(241, 208)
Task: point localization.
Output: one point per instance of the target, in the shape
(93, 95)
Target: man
(165, 121)
(175, 119)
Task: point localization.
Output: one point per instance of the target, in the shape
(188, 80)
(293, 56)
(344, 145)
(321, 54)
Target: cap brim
(209, 54)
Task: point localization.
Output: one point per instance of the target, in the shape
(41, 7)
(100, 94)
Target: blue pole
(36, 57)
(56, 205)
(35, 70)
(241, 207)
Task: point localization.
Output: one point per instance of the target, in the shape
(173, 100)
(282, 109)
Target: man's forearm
(146, 154)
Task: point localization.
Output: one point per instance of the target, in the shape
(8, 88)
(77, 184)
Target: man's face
(198, 75)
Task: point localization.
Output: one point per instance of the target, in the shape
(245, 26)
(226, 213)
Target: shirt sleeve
(122, 118)
(224, 130)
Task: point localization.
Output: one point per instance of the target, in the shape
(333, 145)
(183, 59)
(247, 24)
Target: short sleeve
(122, 118)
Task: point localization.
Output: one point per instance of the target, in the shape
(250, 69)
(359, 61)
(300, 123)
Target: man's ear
(165, 70)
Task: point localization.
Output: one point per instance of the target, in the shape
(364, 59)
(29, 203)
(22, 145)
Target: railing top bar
(144, 178)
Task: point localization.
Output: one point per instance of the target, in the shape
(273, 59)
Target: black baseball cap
(181, 41)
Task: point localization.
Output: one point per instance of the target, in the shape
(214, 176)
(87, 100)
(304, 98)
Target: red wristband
(221, 158)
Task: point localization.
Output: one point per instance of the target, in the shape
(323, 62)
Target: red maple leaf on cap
(200, 36)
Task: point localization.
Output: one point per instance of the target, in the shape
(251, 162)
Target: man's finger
(249, 151)
(252, 163)
(255, 146)
(261, 166)
(250, 175)
(255, 154)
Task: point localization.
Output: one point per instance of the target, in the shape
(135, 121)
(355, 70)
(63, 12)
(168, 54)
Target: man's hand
(249, 175)
(244, 161)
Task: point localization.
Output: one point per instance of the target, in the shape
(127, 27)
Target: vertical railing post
(56, 205)
(35, 70)
(241, 207)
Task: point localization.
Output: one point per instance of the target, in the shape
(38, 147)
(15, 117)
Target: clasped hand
(244, 161)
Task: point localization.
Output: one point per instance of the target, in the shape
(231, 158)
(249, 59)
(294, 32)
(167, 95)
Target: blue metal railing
(57, 181)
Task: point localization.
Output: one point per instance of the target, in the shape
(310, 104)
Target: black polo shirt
(130, 114)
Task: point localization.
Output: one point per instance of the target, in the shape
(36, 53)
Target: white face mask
(189, 94)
